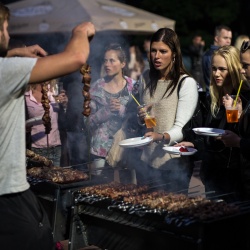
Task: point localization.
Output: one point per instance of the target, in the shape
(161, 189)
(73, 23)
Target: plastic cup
(150, 120)
(232, 114)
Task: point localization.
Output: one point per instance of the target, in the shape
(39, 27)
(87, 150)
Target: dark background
(192, 17)
(196, 16)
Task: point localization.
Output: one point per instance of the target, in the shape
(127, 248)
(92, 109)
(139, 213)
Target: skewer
(160, 185)
(220, 195)
(179, 191)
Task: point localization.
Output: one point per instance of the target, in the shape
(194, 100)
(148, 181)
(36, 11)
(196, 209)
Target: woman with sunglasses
(220, 170)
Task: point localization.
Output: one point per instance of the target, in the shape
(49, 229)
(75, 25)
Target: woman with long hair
(220, 169)
(173, 107)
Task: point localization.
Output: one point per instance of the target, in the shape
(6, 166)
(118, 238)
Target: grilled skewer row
(57, 174)
(181, 205)
(176, 205)
(36, 157)
(114, 190)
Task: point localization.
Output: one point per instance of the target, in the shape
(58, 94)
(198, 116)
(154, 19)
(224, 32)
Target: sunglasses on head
(245, 46)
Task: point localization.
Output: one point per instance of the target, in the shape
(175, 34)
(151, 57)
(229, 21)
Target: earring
(173, 60)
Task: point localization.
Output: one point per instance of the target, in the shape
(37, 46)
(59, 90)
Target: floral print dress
(103, 124)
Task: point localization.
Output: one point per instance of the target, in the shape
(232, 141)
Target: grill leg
(78, 232)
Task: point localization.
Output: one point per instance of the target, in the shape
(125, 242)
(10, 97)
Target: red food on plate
(183, 149)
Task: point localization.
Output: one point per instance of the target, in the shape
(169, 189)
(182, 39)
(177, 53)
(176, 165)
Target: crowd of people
(120, 101)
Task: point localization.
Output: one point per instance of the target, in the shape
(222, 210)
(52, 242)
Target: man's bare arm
(71, 59)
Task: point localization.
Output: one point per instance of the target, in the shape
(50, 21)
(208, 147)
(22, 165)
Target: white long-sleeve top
(171, 113)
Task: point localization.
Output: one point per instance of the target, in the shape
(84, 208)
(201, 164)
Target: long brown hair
(170, 38)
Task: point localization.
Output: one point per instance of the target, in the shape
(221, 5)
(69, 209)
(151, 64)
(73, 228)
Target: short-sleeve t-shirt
(14, 76)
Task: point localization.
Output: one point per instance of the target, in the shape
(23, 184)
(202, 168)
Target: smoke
(54, 43)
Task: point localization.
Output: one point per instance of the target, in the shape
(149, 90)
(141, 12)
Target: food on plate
(183, 149)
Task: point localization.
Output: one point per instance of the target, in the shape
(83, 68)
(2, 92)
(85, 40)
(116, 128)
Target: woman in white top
(173, 110)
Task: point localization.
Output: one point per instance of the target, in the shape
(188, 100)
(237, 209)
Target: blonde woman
(220, 166)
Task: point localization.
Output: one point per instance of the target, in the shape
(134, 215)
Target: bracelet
(163, 137)
(139, 121)
(141, 124)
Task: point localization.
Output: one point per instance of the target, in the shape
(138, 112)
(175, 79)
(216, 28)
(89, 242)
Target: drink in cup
(150, 120)
(56, 89)
(232, 114)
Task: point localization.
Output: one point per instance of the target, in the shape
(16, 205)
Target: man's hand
(230, 139)
(87, 27)
(30, 51)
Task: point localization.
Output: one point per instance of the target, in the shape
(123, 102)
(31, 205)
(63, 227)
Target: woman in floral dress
(110, 97)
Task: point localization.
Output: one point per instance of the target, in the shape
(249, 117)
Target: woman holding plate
(110, 98)
(220, 170)
(159, 91)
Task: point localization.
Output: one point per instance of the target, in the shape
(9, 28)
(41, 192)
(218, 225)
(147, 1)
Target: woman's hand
(184, 144)
(227, 101)
(114, 105)
(142, 111)
(230, 139)
(155, 136)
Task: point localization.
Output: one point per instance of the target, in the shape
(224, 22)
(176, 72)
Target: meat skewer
(86, 79)
(45, 102)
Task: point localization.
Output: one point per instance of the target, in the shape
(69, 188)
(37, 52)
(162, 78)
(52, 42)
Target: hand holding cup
(146, 113)
(115, 104)
(232, 112)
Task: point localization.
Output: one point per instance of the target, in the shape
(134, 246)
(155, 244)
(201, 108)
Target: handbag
(115, 155)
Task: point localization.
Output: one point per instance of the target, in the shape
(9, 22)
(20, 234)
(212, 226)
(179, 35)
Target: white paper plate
(135, 142)
(176, 150)
(34, 121)
(209, 131)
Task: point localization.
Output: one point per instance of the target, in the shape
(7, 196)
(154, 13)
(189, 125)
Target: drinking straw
(135, 100)
(235, 101)
(138, 103)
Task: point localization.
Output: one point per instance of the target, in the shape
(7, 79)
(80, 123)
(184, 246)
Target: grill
(112, 224)
(57, 201)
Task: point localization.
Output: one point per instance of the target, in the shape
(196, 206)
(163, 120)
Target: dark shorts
(24, 223)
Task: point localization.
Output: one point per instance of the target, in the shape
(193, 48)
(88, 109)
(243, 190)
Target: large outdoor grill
(57, 198)
(125, 219)
(120, 216)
